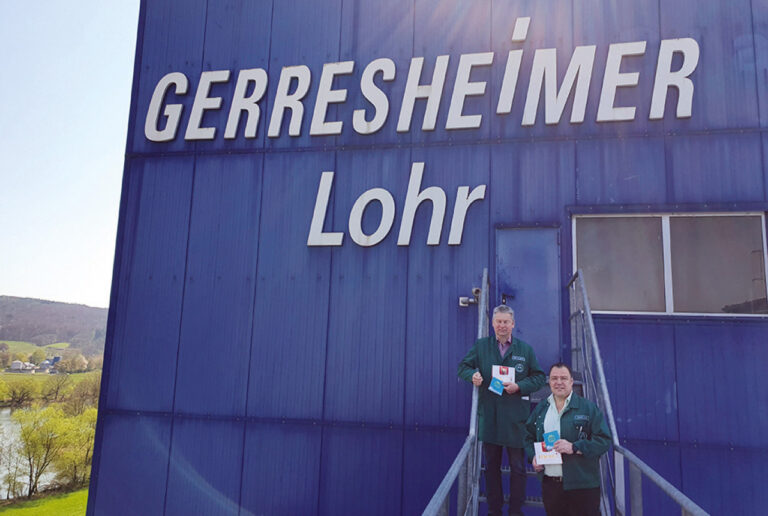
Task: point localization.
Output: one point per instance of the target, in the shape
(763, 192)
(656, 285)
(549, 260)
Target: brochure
(544, 457)
(504, 373)
(496, 386)
(550, 438)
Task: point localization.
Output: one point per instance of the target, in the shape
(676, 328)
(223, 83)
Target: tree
(42, 435)
(22, 392)
(56, 388)
(4, 346)
(4, 391)
(37, 356)
(20, 356)
(73, 463)
(5, 359)
(84, 395)
(74, 364)
(95, 363)
(10, 463)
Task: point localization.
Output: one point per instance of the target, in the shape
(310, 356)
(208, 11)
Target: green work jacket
(502, 418)
(583, 425)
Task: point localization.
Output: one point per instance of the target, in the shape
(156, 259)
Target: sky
(65, 91)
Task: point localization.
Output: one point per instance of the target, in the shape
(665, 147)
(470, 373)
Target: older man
(502, 416)
(573, 487)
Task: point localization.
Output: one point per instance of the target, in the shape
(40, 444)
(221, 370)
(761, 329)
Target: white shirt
(552, 423)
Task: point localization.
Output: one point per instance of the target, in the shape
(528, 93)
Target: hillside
(46, 322)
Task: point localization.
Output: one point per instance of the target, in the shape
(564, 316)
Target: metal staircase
(587, 366)
(588, 372)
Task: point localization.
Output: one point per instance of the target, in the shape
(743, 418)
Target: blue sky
(66, 75)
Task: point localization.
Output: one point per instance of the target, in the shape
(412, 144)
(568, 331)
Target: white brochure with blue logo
(499, 376)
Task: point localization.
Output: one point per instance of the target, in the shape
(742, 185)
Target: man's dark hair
(561, 364)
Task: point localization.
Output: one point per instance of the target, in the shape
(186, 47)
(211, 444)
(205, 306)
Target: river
(10, 436)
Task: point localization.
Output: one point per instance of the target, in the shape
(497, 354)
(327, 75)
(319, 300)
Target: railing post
(619, 494)
(635, 490)
(461, 498)
(443, 511)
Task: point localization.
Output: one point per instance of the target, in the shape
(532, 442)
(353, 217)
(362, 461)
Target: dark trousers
(517, 479)
(577, 502)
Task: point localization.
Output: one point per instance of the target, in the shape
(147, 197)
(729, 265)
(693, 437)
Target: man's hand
(511, 387)
(536, 467)
(563, 446)
(477, 379)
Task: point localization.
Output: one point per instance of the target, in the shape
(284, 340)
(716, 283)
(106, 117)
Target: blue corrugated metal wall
(247, 372)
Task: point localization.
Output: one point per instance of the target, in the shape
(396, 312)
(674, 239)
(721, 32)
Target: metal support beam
(619, 490)
(635, 490)
(461, 497)
(444, 508)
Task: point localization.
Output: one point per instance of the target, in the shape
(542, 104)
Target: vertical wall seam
(178, 340)
(183, 287)
(757, 98)
(677, 409)
(328, 306)
(327, 340)
(255, 275)
(407, 289)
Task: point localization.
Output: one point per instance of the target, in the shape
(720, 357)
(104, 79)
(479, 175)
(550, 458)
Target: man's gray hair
(504, 309)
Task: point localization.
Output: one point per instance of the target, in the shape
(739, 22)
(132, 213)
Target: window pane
(717, 264)
(623, 262)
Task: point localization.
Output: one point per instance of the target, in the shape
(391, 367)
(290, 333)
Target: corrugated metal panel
(304, 32)
(281, 469)
(725, 91)
(620, 21)
(551, 27)
(722, 168)
(133, 466)
(173, 42)
(371, 29)
(361, 471)
(291, 311)
(205, 467)
(237, 37)
(726, 480)
(220, 282)
(452, 27)
(765, 169)
(366, 335)
(532, 182)
(665, 459)
(623, 171)
(720, 387)
(759, 14)
(424, 465)
(142, 370)
(639, 359)
(439, 333)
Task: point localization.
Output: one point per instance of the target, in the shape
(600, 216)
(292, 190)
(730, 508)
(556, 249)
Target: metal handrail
(466, 465)
(588, 351)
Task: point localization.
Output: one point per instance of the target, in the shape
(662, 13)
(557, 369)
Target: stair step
(505, 470)
(530, 501)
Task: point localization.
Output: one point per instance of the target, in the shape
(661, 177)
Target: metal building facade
(247, 372)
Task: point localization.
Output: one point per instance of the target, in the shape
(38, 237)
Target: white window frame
(666, 245)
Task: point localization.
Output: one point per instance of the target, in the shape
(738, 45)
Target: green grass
(17, 346)
(57, 346)
(16, 377)
(9, 378)
(69, 504)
